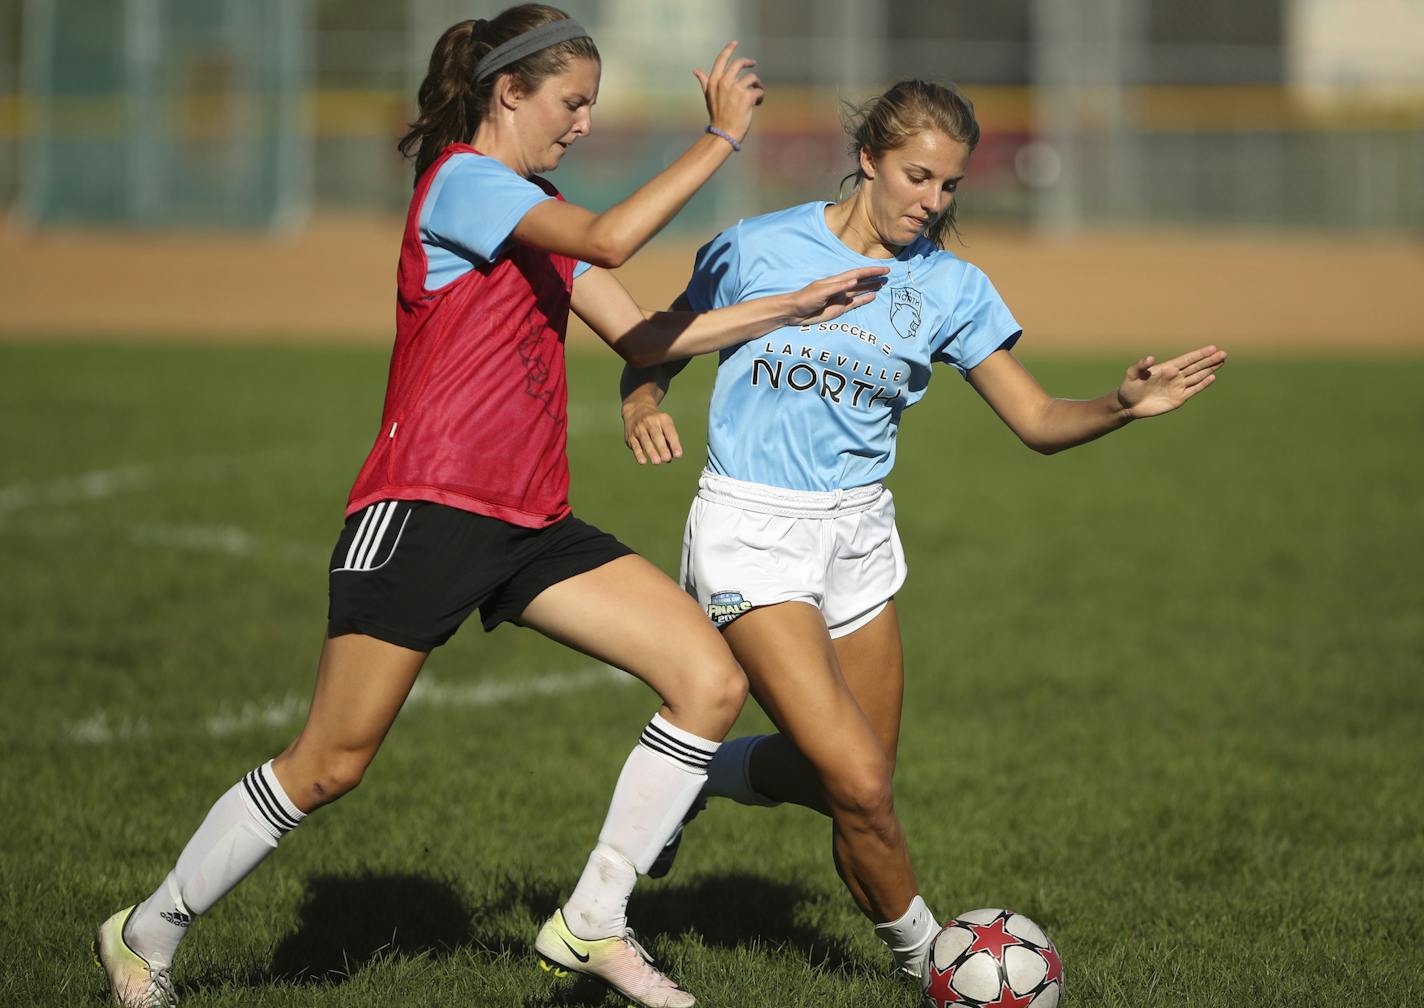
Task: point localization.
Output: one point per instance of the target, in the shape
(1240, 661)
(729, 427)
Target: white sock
(599, 904)
(909, 937)
(660, 779)
(241, 829)
(727, 774)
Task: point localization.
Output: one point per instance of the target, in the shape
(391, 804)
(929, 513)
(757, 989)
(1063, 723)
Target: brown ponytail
(452, 105)
(887, 122)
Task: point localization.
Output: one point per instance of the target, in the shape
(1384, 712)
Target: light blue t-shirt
(470, 210)
(818, 407)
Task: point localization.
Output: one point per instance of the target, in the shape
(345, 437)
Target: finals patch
(723, 607)
(905, 308)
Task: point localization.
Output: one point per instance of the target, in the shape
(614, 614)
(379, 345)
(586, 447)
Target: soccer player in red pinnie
(462, 503)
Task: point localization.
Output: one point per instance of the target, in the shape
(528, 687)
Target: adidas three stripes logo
(376, 537)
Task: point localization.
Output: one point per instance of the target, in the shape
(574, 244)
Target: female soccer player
(791, 544)
(462, 502)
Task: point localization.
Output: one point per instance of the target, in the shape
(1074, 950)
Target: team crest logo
(905, 311)
(723, 607)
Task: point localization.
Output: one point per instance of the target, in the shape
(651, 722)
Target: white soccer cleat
(912, 965)
(133, 982)
(619, 961)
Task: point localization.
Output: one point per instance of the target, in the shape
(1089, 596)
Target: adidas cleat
(618, 961)
(662, 864)
(133, 982)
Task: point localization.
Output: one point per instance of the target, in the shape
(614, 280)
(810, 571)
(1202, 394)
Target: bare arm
(645, 338)
(1049, 425)
(610, 238)
(649, 433)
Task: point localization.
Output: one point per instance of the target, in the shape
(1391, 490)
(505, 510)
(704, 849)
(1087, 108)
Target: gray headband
(531, 41)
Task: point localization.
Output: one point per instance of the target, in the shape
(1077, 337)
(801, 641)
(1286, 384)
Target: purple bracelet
(725, 136)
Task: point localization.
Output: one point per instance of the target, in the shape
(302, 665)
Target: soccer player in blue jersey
(791, 544)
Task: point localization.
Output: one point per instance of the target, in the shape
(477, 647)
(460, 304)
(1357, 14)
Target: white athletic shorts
(749, 545)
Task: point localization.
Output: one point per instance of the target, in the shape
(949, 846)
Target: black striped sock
(691, 751)
(270, 802)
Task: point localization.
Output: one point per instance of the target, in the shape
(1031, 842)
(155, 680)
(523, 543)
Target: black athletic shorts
(410, 572)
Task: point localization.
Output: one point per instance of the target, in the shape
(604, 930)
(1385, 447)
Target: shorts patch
(723, 607)
(411, 572)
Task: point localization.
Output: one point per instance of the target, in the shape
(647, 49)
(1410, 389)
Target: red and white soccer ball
(992, 959)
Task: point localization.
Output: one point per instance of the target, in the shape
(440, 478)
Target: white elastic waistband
(791, 503)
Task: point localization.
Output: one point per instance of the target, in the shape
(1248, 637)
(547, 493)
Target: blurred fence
(251, 113)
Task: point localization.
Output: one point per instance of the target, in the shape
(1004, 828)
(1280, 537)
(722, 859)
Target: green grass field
(1164, 696)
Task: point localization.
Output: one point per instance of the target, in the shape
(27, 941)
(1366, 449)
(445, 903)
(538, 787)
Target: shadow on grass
(727, 911)
(347, 922)
(721, 911)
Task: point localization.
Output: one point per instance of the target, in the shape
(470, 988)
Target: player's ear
(508, 91)
(867, 164)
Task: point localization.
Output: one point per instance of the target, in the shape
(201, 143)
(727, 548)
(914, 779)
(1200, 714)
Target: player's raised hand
(1151, 389)
(731, 95)
(649, 433)
(833, 296)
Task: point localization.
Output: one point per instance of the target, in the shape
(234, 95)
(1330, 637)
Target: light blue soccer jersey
(818, 407)
(472, 207)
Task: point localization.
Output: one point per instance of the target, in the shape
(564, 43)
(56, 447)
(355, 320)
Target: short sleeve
(716, 274)
(979, 324)
(474, 205)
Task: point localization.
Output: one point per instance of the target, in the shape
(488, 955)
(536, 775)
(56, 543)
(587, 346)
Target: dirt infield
(1132, 291)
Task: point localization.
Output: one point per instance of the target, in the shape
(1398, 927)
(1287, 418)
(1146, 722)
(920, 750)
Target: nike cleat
(662, 864)
(618, 961)
(133, 982)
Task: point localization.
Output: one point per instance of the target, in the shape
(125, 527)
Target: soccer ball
(992, 959)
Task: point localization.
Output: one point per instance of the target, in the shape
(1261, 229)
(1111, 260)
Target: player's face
(910, 187)
(558, 113)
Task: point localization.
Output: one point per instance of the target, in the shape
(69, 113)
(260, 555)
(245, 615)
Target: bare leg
(632, 616)
(795, 674)
(361, 683)
(873, 666)
(629, 614)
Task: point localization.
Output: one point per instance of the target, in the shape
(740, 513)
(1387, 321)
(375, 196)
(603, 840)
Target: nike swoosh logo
(577, 955)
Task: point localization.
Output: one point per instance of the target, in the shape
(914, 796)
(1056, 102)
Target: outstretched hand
(731, 98)
(833, 296)
(1151, 389)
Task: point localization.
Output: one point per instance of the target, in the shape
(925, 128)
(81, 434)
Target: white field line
(224, 540)
(101, 484)
(98, 484)
(105, 727)
(227, 539)
(49, 499)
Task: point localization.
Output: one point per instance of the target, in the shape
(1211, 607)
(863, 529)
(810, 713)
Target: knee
(728, 690)
(863, 797)
(319, 778)
(715, 690)
(342, 773)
